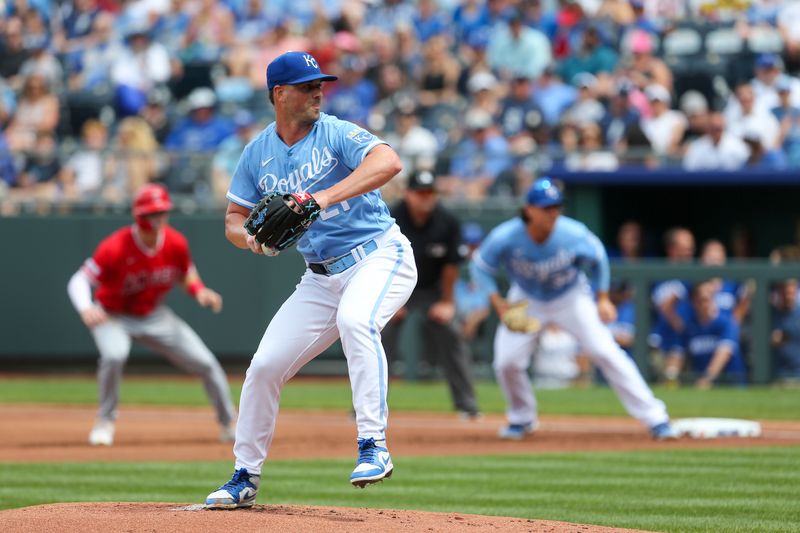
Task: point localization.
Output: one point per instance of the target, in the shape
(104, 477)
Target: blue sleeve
(730, 332)
(244, 183)
(594, 252)
(352, 143)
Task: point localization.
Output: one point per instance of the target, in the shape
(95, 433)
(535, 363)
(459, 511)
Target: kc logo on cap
(293, 68)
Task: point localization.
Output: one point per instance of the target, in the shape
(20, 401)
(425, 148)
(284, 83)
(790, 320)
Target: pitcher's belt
(342, 263)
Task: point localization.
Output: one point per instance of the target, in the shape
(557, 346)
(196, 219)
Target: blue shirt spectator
(8, 174)
(428, 22)
(786, 332)
(202, 130)
(553, 96)
(710, 341)
(471, 21)
(516, 49)
(353, 96)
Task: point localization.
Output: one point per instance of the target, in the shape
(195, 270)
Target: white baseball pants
(353, 305)
(575, 312)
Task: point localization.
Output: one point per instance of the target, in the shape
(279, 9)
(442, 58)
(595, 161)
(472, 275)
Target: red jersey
(133, 279)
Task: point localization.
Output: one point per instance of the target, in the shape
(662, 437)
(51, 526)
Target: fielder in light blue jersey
(546, 257)
(360, 269)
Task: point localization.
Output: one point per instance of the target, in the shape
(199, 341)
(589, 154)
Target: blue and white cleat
(373, 464)
(664, 431)
(239, 492)
(516, 431)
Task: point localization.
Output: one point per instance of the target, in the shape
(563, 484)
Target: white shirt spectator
(87, 165)
(142, 69)
(731, 153)
(760, 120)
(660, 130)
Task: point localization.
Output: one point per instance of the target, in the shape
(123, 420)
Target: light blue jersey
(328, 154)
(544, 271)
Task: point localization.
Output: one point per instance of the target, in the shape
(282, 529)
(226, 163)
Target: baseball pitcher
(310, 179)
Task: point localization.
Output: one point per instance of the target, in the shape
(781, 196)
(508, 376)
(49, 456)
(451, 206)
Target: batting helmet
(152, 198)
(545, 193)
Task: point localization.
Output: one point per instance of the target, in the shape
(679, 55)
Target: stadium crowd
(98, 97)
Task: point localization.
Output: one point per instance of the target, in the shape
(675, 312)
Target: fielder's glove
(280, 219)
(517, 320)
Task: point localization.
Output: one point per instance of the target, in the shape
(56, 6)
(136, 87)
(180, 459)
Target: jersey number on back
(333, 210)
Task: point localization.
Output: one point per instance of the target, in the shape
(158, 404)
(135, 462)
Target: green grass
(728, 490)
(752, 402)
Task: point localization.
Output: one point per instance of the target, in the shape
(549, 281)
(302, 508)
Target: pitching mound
(141, 517)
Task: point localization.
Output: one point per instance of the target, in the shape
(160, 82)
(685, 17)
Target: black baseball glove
(280, 219)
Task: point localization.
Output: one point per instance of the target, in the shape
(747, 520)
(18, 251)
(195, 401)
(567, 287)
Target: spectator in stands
(593, 56)
(8, 173)
(202, 130)
(670, 297)
(42, 62)
(788, 22)
(483, 87)
(210, 33)
(83, 175)
(641, 66)
(751, 118)
(232, 79)
(415, 144)
(135, 162)
(227, 155)
(429, 21)
(591, 155)
(438, 75)
(470, 21)
(74, 24)
(521, 118)
(553, 96)
(786, 332)
(37, 113)
(252, 22)
(710, 341)
(619, 116)
(8, 103)
(353, 96)
(731, 296)
(12, 51)
(695, 107)
(761, 157)
(41, 166)
(478, 159)
(630, 244)
(769, 70)
(517, 49)
(272, 44)
(139, 68)
(788, 117)
(717, 149)
(587, 108)
(540, 17)
(157, 114)
(664, 127)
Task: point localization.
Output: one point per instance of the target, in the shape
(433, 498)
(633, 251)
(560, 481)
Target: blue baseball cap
(471, 233)
(292, 68)
(544, 193)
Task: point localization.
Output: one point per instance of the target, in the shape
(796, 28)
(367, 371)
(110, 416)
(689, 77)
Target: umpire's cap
(544, 193)
(152, 198)
(293, 68)
(422, 180)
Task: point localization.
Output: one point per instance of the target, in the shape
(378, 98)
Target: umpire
(435, 236)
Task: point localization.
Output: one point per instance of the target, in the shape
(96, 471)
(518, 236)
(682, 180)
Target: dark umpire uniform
(435, 236)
